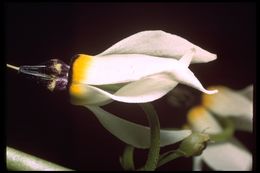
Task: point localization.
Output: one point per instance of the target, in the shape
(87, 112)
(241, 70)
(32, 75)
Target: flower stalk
(154, 151)
(169, 156)
(227, 133)
(127, 159)
(193, 145)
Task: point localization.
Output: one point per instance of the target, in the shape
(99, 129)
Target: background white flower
(230, 103)
(230, 154)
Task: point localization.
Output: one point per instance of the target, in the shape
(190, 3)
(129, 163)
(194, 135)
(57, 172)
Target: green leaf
(20, 161)
(228, 130)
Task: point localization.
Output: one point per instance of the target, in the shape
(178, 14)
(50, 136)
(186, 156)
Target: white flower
(143, 67)
(231, 154)
(230, 103)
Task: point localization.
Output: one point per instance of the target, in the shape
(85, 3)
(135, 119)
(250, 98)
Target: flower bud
(194, 144)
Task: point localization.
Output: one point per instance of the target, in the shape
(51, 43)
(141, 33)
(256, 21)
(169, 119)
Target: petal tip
(211, 91)
(211, 57)
(214, 56)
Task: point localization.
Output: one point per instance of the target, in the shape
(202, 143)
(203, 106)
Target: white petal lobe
(228, 156)
(159, 43)
(135, 134)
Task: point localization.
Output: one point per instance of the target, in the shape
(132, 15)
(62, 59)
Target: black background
(45, 124)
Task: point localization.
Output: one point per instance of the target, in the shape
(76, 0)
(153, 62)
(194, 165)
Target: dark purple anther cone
(53, 74)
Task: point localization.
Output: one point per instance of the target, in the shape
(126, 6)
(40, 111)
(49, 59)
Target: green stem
(228, 130)
(154, 151)
(127, 159)
(169, 156)
(20, 161)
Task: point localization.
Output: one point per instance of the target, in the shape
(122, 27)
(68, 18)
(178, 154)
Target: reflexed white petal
(248, 92)
(201, 120)
(144, 90)
(228, 102)
(141, 91)
(159, 43)
(135, 134)
(197, 163)
(228, 156)
(186, 77)
(147, 89)
(144, 84)
(124, 68)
